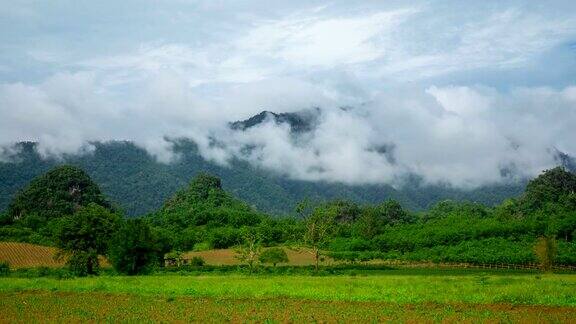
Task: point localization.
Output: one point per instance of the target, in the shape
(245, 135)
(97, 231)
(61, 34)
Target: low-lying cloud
(461, 135)
(455, 98)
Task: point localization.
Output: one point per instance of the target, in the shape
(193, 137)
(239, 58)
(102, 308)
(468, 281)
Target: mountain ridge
(139, 184)
(299, 122)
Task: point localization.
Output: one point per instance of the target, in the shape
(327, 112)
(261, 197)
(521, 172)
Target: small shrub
(197, 261)
(43, 271)
(274, 256)
(204, 246)
(173, 258)
(4, 268)
(64, 274)
(546, 250)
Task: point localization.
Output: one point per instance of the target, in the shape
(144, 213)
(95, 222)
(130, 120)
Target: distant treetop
(205, 202)
(204, 184)
(549, 187)
(60, 191)
(203, 189)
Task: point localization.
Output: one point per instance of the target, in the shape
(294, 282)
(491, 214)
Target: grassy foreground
(527, 289)
(400, 295)
(42, 306)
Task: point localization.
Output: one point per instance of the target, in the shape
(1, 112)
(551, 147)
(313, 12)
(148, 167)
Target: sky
(458, 92)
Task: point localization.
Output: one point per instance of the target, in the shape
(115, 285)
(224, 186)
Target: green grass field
(393, 295)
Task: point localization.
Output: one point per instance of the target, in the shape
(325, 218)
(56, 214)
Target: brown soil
(42, 306)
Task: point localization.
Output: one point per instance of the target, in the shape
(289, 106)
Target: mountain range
(138, 184)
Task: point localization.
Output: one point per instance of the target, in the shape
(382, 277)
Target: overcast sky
(456, 90)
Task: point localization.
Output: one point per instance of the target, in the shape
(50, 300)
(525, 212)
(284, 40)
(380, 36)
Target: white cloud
(507, 39)
(186, 69)
(461, 135)
(324, 41)
(444, 140)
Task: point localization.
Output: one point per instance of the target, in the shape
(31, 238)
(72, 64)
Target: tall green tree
(133, 248)
(552, 186)
(85, 235)
(373, 219)
(61, 191)
(345, 211)
(204, 202)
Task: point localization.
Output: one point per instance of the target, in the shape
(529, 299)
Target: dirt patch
(297, 257)
(34, 306)
(26, 255)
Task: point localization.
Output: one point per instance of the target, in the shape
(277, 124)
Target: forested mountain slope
(138, 184)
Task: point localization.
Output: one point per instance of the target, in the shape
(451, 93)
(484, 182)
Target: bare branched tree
(320, 227)
(249, 251)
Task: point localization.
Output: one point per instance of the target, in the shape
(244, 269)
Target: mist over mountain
(420, 101)
(351, 95)
(299, 122)
(138, 183)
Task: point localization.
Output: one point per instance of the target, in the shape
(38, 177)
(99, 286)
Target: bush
(203, 246)
(83, 263)
(4, 268)
(15, 234)
(546, 250)
(491, 250)
(224, 237)
(350, 244)
(173, 258)
(197, 261)
(348, 256)
(566, 253)
(43, 271)
(39, 272)
(274, 256)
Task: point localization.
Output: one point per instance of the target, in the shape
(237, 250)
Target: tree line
(65, 208)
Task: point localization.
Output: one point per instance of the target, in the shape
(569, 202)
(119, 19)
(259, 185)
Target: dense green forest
(136, 183)
(65, 208)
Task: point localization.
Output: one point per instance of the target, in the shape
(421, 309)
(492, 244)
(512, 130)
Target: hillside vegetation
(64, 208)
(139, 184)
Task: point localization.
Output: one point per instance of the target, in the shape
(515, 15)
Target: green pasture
(404, 287)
